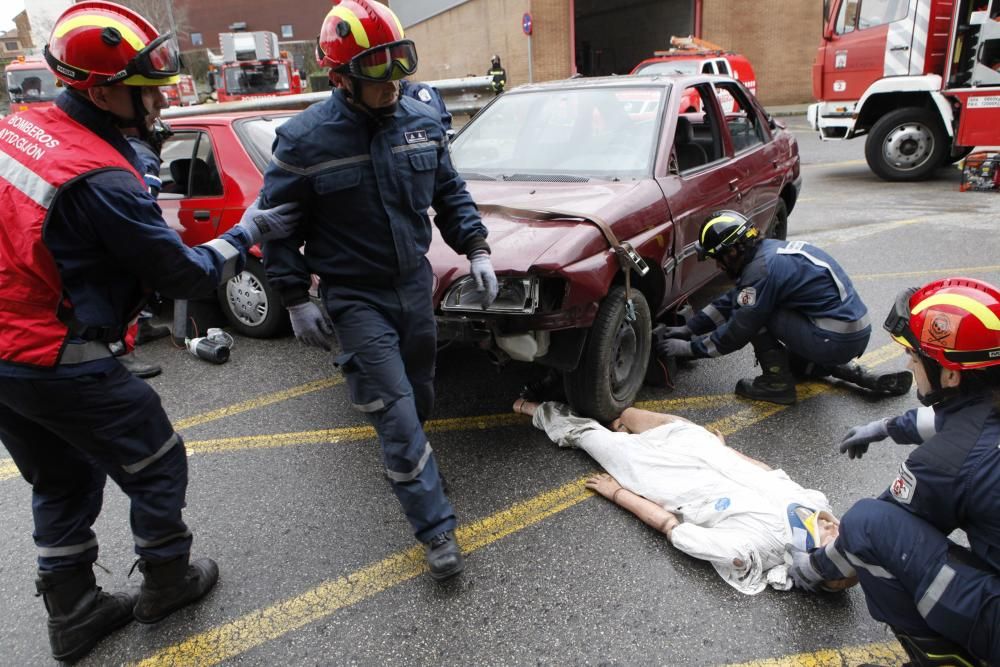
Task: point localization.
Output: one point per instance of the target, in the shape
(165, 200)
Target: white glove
(310, 325)
(269, 224)
(482, 272)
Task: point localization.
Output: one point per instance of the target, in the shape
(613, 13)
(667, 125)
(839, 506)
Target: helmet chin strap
(139, 114)
(932, 370)
(379, 113)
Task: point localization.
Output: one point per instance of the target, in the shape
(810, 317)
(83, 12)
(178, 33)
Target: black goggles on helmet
(158, 60)
(386, 62)
(898, 321)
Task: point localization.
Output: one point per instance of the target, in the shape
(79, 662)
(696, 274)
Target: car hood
(518, 242)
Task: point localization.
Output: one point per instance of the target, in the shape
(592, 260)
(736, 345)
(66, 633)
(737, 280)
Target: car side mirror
(827, 32)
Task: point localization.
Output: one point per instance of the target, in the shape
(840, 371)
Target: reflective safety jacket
(42, 151)
(781, 275)
(365, 186)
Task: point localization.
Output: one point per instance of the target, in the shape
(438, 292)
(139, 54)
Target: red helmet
(955, 322)
(364, 39)
(98, 43)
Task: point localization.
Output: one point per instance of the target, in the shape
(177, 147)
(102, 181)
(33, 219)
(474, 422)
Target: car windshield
(256, 78)
(560, 135)
(31, 85)
(257, 135)
(671, 67)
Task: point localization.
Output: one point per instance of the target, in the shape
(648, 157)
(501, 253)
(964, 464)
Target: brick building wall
(779, 37)
(211, 18)
(461, 40)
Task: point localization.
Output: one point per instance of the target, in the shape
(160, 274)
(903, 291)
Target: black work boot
(934, 651)
(148, 332)
(889, 384)
(80, 613)
(444, 556)
(172, 584)
(775, 384)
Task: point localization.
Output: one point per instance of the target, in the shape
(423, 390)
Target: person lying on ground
(712, 502)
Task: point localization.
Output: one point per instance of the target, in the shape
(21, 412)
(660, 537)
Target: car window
(563, 134)
(743, 123)
(723, 66)
(698, 134)
(670, 67)
(189, 168)
(707, 68)
(257, 135)
(847, 17)
(880, 12)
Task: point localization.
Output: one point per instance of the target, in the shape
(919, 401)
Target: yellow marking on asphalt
(258, 627)
(927, 272)
(258, 402)
(883, 653)
(830, 165)
(8, 470)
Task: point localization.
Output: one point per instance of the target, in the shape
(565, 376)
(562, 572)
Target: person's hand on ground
(604, 484)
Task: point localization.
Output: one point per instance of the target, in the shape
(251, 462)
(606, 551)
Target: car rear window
(257, 135)
(563, 135)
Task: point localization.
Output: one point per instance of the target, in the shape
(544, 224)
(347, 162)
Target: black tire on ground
(779, 222)
(613, 366)
(251, 305)
(907, 144)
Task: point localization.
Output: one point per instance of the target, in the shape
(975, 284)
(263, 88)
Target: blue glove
(855, 443)
(310, 325)
(269, 224)
(482, 272)
(673, 347)
(801, 569)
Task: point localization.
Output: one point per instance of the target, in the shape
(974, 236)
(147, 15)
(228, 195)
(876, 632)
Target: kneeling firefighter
(92, 246)
(941, 600)
(795, 305)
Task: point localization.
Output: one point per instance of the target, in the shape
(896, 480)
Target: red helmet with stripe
(955, 322)
(98, 43)
(364, 39)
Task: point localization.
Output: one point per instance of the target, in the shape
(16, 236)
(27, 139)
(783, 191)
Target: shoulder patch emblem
(904, 486)
(415, 137)
(424, 95)
(747, 296)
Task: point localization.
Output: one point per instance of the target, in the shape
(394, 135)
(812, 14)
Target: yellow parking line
(830, 165)
(926, 272)
(8, 470)
(242, 634)
(258, 402)
(883, 653)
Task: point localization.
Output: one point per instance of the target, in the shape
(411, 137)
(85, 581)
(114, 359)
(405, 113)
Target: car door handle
(202, 215)
(899, 48)
(734, 185)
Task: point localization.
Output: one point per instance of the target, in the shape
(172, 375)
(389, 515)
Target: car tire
(907, 145)
(251, 305)
(613, 366)
(779, 222)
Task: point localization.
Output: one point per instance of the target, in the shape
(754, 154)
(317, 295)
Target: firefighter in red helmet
(942, 600)
(93, 246)
(368, 164)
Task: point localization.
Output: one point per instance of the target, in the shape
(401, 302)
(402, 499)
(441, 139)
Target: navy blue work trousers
(68, 435)
(919, 582)
(806, 340)
(388, 340)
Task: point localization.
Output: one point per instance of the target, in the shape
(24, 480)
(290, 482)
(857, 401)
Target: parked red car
(594, 192)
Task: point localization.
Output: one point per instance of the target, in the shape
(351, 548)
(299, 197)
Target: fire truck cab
(252, 66)
(920, 79)
(30, 83)
(690, 55)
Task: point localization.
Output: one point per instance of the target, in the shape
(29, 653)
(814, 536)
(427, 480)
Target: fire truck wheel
(615, 357)
(907, 144)
(251, 305)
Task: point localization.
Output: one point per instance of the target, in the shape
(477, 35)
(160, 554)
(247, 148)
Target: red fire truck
(183, 93)
(919, 78)
(252, 66)
(30, 83)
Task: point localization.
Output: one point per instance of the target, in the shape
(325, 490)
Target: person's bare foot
(619, 426)
(523, 406)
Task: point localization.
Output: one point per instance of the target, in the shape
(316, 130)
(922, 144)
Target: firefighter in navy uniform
(91, 245)
(795, 305)
(430, 96)
(367, 164)
(941, 600)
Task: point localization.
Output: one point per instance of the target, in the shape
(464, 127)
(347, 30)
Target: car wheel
(779, 222)
(906, 145)
(250, 303)
(613, 366)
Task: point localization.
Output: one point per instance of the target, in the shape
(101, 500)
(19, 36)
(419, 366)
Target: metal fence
(463, 96)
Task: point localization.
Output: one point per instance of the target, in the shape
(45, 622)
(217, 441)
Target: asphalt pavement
(319, 567)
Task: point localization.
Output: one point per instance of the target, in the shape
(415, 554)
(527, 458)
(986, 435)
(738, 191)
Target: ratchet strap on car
(628, 258)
